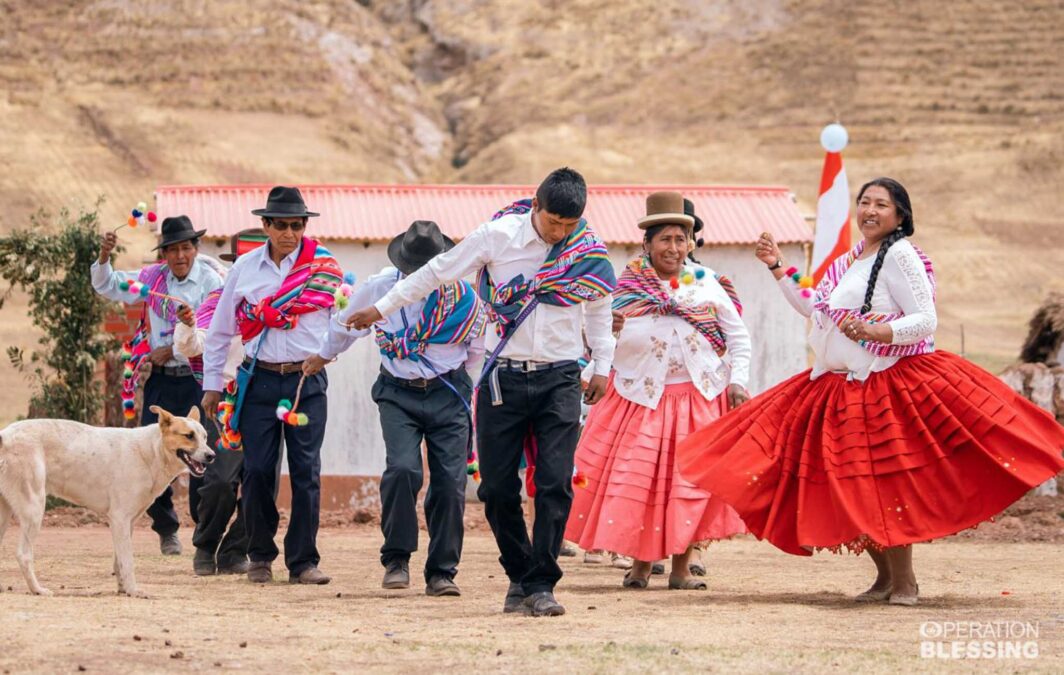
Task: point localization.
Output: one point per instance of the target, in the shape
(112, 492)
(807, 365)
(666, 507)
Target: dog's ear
(164, 417)
(193, 414)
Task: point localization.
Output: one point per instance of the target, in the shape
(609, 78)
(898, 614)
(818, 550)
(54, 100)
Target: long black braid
(900, 197)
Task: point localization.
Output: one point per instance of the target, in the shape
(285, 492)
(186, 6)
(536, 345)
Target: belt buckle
(420, 383)
(528, 367)
(287, 368)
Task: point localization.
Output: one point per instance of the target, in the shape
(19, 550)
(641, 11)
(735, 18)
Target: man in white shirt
(172, 385)
(280, 331)
(423, 393)
(535, 381)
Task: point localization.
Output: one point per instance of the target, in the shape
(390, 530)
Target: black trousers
(408, 416)
(548, 401)
(176, 395)
(262, 433)
(213, 500)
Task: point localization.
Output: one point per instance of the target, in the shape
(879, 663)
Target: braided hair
(903, 206)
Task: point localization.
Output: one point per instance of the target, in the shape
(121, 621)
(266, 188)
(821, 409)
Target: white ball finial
(834, 137)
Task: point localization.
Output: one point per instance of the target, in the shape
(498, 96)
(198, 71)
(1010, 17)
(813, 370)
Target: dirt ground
(765, 611)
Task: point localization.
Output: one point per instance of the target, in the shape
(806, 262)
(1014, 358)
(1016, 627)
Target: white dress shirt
(253, 277)
(508, 247)
(444, 357)
(656, 350)
(190, 341)
(902, 286)
(193, 289)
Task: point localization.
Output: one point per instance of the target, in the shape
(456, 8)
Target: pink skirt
(635, 501)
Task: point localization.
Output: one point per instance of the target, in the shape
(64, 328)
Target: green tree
(50, 261)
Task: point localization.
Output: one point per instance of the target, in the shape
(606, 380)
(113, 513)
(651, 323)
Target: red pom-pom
(152, 217)
(791, 271)
(674, 283)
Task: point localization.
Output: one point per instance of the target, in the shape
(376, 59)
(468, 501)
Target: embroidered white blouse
(655, 350)
(902, 286)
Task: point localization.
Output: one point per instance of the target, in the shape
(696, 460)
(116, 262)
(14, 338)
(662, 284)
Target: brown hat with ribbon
(666, 208)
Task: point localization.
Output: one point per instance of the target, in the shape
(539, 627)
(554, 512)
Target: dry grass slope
(960, 100)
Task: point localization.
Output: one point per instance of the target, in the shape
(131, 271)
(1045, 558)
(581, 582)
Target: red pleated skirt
(635, 501)
(927, 448)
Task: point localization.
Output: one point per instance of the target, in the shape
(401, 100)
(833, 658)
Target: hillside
(961, 101)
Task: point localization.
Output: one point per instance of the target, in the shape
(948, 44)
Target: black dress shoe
(396, 575)
(440, 586)
(237, 566)
(543, 604)
(515, 599)
(203, 563)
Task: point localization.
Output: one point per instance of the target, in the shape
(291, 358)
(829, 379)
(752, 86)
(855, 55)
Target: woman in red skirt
(885, 442)
(683, 353)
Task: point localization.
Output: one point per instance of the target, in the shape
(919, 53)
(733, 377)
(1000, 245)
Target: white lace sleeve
(909, 287)
(794, 296)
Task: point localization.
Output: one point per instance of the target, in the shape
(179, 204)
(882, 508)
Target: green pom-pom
(796, 277)
(284, 403)
(302, 419)
(124, 285)
(127, 373)
(472, 467)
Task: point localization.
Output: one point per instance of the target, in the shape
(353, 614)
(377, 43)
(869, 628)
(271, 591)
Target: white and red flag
(832, 236)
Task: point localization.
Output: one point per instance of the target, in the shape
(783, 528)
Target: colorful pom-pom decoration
(144, 291)
(152, 217)
(688, 278)
(129, 414)
(131, 221)
(289, 416)
(136, 213)
(123, 285)
(791, 271)
(349, 278)
(700, 272)
(674, 283)
(127, 372)
(806, 293)
(472, 466)
(806, 282)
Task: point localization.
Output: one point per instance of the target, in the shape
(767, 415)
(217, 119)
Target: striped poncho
(640, 292)
(452, 314)
(309, 287)
(577, 269)
(822, 305)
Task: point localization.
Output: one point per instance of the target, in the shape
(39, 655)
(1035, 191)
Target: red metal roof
(733, 215)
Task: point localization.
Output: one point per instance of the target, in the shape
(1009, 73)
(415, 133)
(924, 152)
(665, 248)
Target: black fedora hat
(284, 202)
(177, 229)
(421, 242)
(689, 209)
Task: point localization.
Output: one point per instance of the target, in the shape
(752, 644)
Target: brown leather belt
(282, 368)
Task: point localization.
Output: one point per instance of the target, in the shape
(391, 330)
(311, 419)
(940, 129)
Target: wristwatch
(778, 264)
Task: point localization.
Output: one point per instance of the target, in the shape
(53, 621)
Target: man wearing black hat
(278, 298)
(172, 385)
(423, 393)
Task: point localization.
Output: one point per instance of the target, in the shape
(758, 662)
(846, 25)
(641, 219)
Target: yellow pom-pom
(688, 278)
(805, 282)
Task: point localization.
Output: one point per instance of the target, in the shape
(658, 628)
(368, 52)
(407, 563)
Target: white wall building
(358, 221)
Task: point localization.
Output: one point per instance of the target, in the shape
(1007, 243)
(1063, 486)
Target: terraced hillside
(960, 100)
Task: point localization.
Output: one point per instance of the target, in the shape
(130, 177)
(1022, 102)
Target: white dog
(114, 472)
